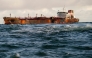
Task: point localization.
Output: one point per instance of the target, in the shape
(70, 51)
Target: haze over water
(46, 40)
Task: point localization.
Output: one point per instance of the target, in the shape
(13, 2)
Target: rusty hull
(38, 20)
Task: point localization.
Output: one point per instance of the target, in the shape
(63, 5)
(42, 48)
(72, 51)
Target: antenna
(63, 8)
(10, 14)
(28, 15)
(36, 15)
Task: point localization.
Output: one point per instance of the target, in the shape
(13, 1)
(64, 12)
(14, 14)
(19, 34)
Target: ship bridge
(61, 14)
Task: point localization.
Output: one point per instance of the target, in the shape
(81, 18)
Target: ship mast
(28, 15)
(63, 8)
(10, 14)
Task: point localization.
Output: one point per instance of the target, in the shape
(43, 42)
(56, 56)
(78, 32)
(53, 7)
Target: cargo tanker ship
(61, 18)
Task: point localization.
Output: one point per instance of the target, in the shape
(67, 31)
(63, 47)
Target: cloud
(39, 4)
(20, 8)
(11, 4)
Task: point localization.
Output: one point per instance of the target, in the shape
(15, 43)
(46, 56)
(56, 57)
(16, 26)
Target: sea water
(46, 40)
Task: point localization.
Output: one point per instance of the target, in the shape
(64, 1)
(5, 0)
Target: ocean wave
(46, 40)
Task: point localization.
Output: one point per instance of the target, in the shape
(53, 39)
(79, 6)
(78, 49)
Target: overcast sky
(20, 8)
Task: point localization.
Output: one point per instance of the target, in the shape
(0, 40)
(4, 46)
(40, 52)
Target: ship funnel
(70, 11)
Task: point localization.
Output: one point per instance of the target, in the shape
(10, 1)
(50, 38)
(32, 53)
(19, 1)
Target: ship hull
(39, 20)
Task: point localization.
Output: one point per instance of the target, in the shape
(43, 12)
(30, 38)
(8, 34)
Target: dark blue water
(46, 40)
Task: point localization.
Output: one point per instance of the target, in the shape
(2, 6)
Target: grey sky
(38, 4)
(82, 8)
